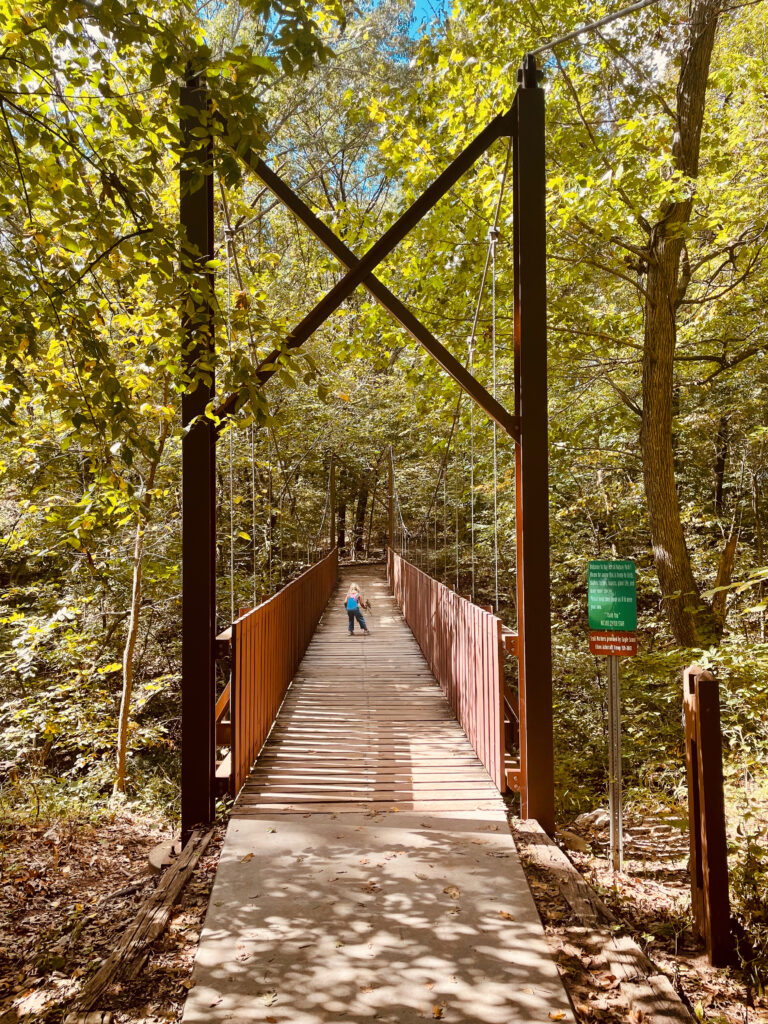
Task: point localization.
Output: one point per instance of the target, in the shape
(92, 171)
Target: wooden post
(531, 458)
(391, 502)
(706, 813)
(198, 473)
(332, 503)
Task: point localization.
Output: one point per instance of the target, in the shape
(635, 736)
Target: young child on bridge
(353, 602)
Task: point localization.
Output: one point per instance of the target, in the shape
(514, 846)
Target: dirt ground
(651, 899)
(67, 892)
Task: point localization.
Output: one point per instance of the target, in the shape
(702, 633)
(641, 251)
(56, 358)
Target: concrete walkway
(368, 872)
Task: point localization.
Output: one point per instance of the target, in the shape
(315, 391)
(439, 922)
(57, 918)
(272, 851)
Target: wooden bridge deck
(364, 724)
(369, 873)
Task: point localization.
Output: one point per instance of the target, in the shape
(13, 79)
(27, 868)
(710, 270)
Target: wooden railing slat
(268, 642)
(463, 645)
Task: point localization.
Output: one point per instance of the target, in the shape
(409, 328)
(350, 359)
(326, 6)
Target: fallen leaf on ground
(269, 998)
(557, 1015)
(437, 1012)
(453, 891)
(506, 916)
(246, 858)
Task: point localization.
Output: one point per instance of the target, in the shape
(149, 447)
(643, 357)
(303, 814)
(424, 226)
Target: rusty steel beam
(361, 269)
(532, 453)
(198, 475)
(397, 309)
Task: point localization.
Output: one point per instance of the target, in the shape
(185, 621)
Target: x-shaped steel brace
(360, 271)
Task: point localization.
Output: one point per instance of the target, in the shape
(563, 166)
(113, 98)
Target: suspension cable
(319, 533)
(233, 263)
(606, 20)
(398, 507)
(494, 235)
(472, 483)
(457, 543)
(228, 244)
(253, 511)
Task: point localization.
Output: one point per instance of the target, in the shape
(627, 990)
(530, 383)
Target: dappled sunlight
(386, 917)
(369, 872)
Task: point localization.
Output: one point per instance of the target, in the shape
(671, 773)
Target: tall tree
(669, 274)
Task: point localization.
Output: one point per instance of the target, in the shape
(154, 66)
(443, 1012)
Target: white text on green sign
(612, 595)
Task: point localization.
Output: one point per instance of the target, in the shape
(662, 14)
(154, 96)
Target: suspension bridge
(369, 872)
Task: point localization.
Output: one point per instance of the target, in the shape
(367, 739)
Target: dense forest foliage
(658, 286)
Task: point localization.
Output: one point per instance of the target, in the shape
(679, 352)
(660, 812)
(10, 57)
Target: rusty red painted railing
(266, 645)
(464, 647)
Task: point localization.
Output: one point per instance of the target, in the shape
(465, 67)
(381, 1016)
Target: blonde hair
(353, 586)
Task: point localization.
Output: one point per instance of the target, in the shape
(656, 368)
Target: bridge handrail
(463, 644)
(267, 644)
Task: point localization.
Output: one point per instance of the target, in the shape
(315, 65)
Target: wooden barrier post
(706, 812)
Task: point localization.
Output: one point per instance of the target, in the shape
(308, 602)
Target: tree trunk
(341, 508)
(724, 576)
(134, 615)
(362, 505)
(756, 508)
(341, 525)
(692, 621)
(370, 517)
(721, 460)
(128, 651)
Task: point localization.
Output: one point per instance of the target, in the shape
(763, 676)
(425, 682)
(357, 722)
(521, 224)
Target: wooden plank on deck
(368, 872)
(362, 722)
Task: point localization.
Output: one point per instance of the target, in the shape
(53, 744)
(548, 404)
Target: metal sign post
(612, 601)
(614, 761)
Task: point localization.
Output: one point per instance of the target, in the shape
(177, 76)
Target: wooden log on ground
(535, 844)
(149, 923)
(641, 983)
(94, 1017)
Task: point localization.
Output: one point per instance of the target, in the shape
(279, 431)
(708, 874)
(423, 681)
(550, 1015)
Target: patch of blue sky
(426, 11)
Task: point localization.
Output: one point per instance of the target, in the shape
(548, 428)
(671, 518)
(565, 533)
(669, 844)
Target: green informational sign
(612, 596)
